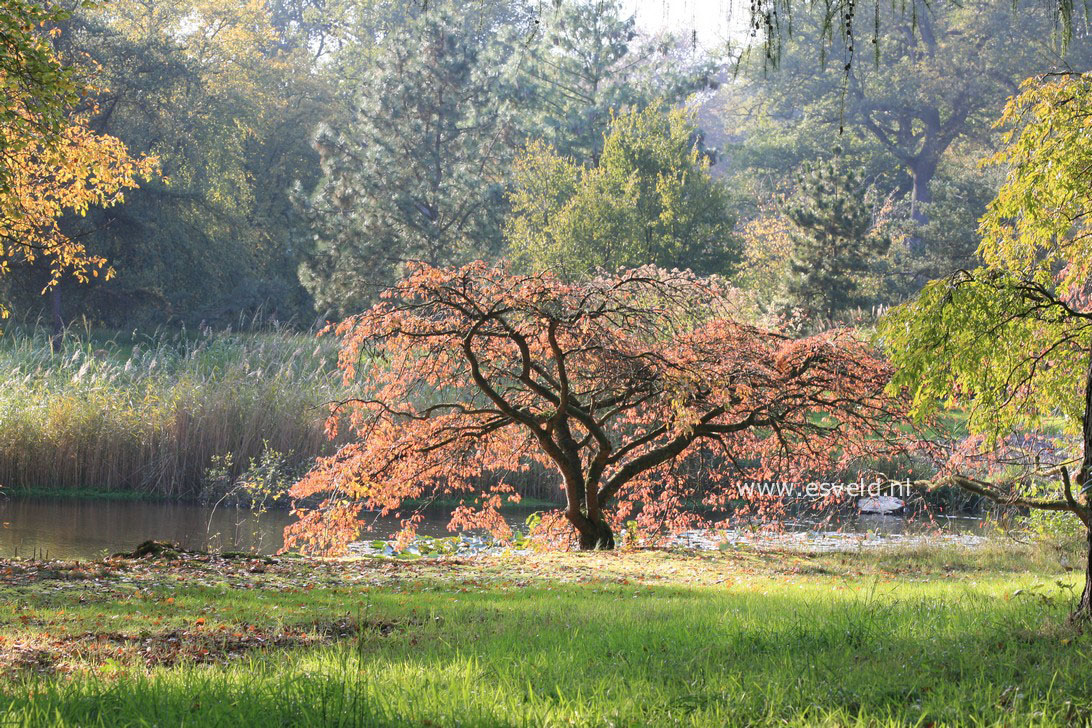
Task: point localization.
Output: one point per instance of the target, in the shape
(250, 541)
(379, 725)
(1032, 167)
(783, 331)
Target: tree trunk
(600, 537)
(920, 194)
(1084, 480)
(593, 535)
(1083, 614)
(922, 171)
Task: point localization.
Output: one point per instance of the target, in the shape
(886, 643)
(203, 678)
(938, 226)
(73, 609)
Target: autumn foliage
(52, 163)
(640, 390)
(66, 176)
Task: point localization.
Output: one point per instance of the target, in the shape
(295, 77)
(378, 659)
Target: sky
(711, 18)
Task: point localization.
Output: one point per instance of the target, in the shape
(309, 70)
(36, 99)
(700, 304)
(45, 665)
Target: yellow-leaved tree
(51, 163)
(1010, 342)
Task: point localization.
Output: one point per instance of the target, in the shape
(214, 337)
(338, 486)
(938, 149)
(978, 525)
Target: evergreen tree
(649, 200)
(592, 61)
(834, 242)
(416, 168)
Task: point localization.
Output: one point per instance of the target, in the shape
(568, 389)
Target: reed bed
(147, 413)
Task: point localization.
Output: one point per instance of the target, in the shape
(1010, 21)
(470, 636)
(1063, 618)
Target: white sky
(711, 18)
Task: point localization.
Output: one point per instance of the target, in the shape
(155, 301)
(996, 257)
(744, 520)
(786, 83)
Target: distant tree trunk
(922, 171)
(57, 318)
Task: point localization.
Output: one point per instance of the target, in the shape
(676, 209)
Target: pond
(84, 529)
(73, 528)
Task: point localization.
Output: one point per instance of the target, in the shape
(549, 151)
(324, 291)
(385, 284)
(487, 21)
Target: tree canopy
(1011, 340)
(225, 99)
(280, 126)
(464, 376)
(52, 163)
(649, 200)
(835, 242)
(912, 116)
(591, 61)
(417, 168)
(38, 91)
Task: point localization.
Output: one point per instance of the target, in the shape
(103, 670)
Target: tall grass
(148, 413)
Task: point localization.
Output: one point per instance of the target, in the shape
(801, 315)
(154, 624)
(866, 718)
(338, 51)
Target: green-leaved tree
(1010, 342)
(591, 60)
(225, 100)
(649, 200)
(835, 243)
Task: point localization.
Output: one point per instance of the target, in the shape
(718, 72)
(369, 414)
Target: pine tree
(835, 245)
(592, 61)
(417, 168)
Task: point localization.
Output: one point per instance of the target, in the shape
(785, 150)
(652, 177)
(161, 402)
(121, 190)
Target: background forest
(309, 148)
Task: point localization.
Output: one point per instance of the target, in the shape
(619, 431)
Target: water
(86, 529)
(66, 528)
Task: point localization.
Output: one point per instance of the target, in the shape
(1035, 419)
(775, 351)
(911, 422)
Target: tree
(939, 74)
(48, 180)
(942, 68)
(650, 200)
(767, 250)
(948, 239)
(226, 101)
(774, 23)
(1011, 341)
(51, 162)
(465, 375)
(835, 243)
(38, 92)
(592, 61)
(417, 169)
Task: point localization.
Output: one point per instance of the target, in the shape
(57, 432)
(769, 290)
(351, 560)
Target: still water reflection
(85, 529)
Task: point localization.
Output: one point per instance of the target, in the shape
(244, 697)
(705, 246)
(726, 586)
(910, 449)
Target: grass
(936, 636)
(146, 414)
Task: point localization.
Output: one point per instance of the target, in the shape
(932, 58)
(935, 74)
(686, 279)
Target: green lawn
(922, 637)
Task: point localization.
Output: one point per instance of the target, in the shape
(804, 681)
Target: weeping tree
(465, 376)
(1011, 341)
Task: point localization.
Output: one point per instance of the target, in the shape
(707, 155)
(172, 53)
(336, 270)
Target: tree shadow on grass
(599, 654)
